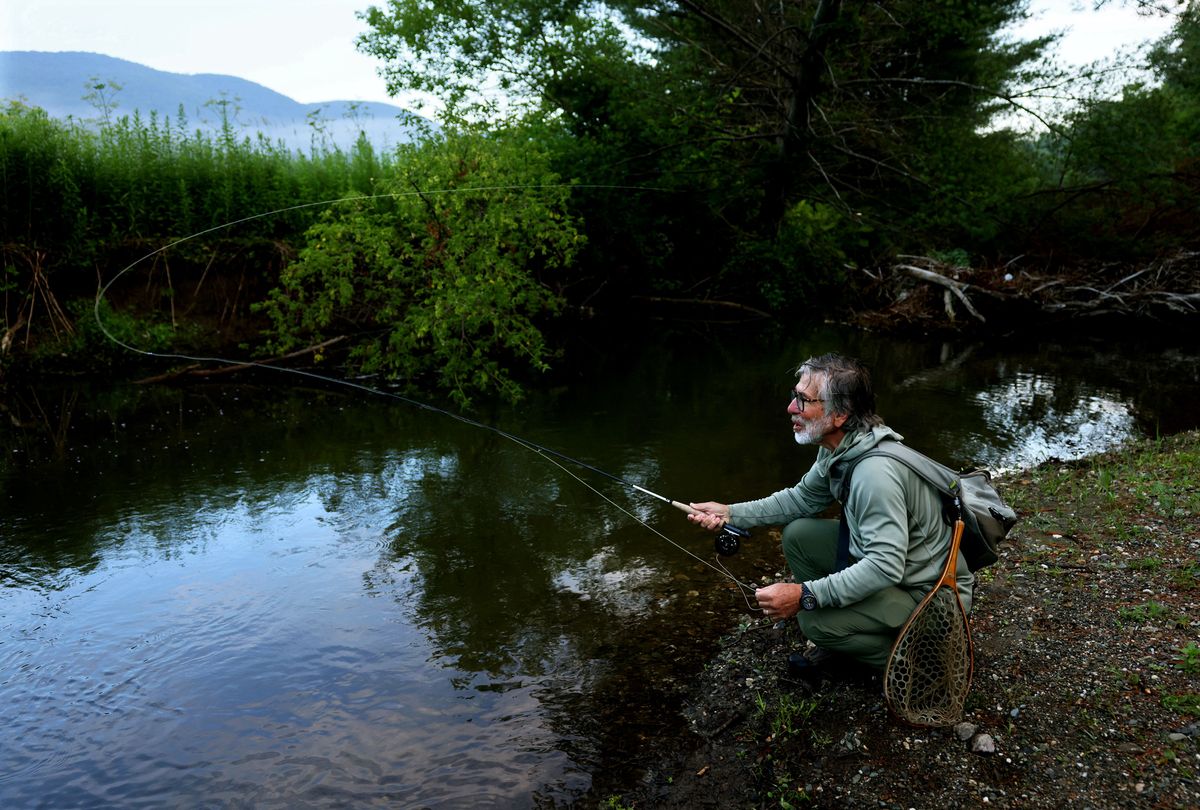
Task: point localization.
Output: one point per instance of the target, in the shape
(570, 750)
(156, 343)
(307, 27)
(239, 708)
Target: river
(268, 592)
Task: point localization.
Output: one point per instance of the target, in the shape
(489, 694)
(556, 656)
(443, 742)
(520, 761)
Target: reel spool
(729, 540)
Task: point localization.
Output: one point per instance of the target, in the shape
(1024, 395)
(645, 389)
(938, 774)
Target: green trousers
(865, 630)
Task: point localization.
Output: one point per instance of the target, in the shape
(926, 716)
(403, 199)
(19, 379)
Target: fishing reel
(729, 540)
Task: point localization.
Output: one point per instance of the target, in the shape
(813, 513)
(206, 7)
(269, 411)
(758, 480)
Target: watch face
(808, 602)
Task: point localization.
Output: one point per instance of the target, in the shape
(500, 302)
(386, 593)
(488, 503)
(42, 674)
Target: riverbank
(1087, 672)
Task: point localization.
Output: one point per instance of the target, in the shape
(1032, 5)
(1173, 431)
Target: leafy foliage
(866, 113)
(1125, 178)
(715, 150)
(445, 280)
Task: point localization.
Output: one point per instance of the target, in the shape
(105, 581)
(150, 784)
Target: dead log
(956, 287)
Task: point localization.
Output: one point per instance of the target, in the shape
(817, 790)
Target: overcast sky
(305, 49)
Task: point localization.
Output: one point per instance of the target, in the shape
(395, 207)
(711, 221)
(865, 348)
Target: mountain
(60, 83)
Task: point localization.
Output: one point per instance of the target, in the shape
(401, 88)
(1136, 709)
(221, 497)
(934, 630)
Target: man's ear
(839, 419)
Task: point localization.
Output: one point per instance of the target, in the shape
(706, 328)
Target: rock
(983, 744)
(965, 731)
(850, 742)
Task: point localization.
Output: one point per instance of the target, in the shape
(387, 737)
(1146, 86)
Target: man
(898, 541)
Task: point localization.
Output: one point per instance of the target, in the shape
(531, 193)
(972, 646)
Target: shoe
(810, 664)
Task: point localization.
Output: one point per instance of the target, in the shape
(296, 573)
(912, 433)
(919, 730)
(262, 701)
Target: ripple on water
(209, 684)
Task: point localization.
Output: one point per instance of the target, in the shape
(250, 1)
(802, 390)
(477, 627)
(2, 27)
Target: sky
(305, 48)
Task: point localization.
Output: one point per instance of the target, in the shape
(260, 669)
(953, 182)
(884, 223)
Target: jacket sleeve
(878, 518)
(807, 498)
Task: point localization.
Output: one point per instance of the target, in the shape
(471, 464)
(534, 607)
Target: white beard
(814, 432)
(805, 437)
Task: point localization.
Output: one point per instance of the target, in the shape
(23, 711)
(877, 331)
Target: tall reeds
(87, 201)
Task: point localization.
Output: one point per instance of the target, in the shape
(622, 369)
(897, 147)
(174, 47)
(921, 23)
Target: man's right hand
(709, 514)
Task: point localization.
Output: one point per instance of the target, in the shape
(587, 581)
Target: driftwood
(952, 286)
(1169, 285)
(198, 369)
(1164, 288)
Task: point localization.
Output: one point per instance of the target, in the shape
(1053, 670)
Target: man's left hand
(781, 600)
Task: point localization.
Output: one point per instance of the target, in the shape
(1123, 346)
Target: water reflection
(264, 595)
(1036, 423)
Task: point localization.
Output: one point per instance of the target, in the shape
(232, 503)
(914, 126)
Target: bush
(445, 280)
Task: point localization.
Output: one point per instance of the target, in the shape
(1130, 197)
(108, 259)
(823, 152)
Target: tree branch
(956, 287)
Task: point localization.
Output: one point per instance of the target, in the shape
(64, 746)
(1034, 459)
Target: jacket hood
(853, 445)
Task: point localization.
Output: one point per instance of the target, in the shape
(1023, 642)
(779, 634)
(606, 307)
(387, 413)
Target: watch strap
(808, 599)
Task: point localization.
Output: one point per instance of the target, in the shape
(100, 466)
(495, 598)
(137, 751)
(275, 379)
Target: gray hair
(845, 386)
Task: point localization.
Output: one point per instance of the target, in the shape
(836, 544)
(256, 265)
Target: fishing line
(721, 570)
(727, 541)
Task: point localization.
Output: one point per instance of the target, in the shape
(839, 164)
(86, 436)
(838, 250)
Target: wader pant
(865, 630)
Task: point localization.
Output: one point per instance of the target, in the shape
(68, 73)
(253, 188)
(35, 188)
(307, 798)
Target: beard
(814, 432)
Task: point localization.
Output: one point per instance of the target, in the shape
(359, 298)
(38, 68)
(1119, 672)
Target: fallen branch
(956, 287)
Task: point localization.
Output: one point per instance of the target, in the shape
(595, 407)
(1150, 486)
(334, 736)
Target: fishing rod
(726, 542)
(728, 539)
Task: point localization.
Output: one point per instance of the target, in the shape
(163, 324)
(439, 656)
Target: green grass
(1143, 613)
(1186, 578)
(1146, 564)
(1189, 658)
(76, 200)
(784, 717)
(1187, 703)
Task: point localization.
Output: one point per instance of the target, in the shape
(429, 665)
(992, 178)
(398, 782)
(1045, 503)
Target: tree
(849, 107)
(1130, 166)
(445, 277)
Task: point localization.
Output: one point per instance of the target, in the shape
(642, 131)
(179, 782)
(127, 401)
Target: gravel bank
(1087, 678)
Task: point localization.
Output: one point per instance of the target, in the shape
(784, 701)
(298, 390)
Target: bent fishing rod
(727, 540)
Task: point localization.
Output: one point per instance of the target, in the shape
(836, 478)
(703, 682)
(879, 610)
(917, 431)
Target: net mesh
(929, 673)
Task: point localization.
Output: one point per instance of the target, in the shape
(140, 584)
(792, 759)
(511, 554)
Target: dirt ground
(1086, 690)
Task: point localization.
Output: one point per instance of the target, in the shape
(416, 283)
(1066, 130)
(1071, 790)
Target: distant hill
(59, 83)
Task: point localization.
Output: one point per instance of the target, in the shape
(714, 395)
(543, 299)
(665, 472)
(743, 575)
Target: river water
(276, 594)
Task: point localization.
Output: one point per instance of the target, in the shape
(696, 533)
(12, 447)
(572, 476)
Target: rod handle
(729, 527)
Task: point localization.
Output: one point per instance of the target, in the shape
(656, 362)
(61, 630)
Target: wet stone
(983, 744)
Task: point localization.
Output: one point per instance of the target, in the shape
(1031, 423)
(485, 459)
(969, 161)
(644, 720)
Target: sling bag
(987, 519)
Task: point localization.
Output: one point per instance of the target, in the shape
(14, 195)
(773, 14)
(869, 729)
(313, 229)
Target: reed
(78, 203)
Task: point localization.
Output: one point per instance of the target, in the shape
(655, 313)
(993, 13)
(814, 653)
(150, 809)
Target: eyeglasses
(800, 399)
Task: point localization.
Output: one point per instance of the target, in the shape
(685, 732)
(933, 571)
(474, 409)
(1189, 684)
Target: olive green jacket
(897, 535)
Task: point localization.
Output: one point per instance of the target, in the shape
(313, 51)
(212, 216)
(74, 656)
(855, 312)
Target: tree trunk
(803, 84)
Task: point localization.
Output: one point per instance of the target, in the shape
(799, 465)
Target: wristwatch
(808, 599)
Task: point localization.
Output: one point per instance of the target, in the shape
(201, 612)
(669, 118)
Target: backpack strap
(938, 476)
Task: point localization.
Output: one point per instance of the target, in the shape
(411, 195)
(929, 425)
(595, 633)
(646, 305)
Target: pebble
(965, 731)
(983, 744)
